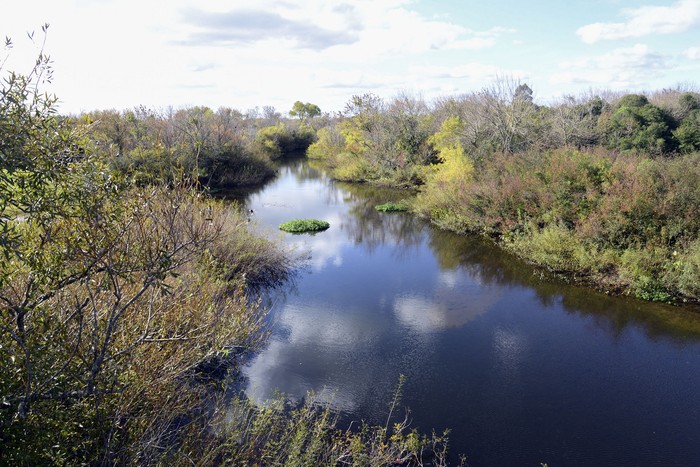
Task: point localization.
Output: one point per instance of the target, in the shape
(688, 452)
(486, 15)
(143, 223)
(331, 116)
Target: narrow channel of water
(522, 370)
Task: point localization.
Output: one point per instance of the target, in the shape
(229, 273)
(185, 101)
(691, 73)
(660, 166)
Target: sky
(118, 54)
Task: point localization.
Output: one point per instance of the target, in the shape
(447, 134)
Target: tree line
(225, 147)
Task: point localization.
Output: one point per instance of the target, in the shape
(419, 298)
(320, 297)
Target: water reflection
(485, 262)
(370, 228)
(490, 347)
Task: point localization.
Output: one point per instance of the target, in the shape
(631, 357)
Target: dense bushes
(107, 306)
(635, 124)
(224, 148)
(626, 220)
(602, 189)
(379, 142)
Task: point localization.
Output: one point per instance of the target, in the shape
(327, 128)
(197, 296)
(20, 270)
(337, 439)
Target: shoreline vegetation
(599, 189)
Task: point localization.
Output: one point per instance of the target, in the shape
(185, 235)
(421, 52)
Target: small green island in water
(304, 226)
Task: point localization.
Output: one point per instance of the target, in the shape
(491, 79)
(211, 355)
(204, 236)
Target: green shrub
(637, 125)
(279, 140)
(235, 167)
(643, 268)
(688, 132)
(556, 248)
(683, 274)
(353, 169)
(304, 225)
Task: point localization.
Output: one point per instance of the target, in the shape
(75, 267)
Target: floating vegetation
(401, 206)
(304, 225)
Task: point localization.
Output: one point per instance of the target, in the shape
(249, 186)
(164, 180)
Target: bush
(683, 272)
(638, 125)
(234, 168)
(644, 269)
(688, 133)
(279, 140)
(351, 168)
(141, 265)
(329, 144)
(557, 248)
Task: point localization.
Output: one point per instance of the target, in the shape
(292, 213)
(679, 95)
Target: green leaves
(304, 110)
(638, 125)
(304, 225)
(401, 206)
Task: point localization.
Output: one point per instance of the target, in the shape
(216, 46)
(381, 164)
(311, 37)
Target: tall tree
(304, 110)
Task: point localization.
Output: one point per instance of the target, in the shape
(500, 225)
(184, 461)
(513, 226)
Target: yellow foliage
(446, 183)
(354, 138)
(456, 166)
(328, 144)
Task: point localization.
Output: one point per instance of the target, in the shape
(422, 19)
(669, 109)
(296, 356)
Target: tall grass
(280, 434)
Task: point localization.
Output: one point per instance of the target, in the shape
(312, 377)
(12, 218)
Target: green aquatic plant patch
(304, 225)
(401, 206)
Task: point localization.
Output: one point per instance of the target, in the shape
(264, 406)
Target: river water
(522, 369)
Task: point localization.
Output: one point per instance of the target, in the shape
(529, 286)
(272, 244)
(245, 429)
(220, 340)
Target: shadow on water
(483, 259)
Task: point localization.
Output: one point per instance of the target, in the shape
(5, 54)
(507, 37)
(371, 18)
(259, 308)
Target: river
(523, 369)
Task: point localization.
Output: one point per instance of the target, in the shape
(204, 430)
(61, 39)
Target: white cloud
(692, 53)
(475, 72)
(621, 68)
(445, 308)
(646, 20)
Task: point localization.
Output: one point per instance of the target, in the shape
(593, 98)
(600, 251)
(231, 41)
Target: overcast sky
(242, 54)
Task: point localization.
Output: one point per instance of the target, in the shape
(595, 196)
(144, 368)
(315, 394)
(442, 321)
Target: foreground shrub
(122, 308)
(280, 434)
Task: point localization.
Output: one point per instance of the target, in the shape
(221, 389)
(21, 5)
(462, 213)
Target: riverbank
(616, 210)
(621, 224)
(127, 294)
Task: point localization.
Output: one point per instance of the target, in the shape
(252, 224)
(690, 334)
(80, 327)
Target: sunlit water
(522, 370)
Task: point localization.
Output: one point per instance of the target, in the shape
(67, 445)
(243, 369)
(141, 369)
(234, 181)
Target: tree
(304, 110)
(688, 132)
(636, 124)
(573, 121)
(512, 118)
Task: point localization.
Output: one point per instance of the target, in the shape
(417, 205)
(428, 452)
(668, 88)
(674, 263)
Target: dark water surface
(522, 370)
